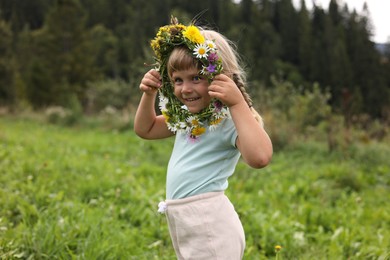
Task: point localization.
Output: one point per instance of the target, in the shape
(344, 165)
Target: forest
(87, 54)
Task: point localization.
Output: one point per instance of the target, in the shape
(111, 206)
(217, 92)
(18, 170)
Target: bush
(108, 93)
(291, 112)
(56, 114)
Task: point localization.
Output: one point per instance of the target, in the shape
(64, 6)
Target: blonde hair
(182, 59)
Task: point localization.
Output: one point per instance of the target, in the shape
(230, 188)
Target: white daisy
(172, 127)
(163, 103)
(213, 127)
(201, 51)
(204, 71)
(182, 125)
(211, 45)
(192, 119)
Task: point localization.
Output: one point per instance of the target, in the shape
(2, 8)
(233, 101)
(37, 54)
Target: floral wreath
(177, 116)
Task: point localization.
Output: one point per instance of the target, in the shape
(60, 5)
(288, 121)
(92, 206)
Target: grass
(78, 193)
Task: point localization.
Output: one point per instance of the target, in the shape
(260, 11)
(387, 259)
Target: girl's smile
(191, 89)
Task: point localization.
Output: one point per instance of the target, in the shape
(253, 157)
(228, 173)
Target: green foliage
(292, 112)
(64, 58)
(106, 45)
(110, 93)
(73, 193)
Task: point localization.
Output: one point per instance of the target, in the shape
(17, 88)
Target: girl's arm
(252, 141)
(146, 123)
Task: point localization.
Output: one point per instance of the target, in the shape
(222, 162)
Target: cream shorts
(205, 226)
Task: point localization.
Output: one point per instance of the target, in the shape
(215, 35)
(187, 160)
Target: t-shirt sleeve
(230, 132)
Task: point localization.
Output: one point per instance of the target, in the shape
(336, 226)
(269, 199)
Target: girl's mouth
(191, 99)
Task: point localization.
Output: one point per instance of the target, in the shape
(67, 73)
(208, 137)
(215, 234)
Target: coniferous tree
(7, 94)
(334, 13)
(64, 54)
(304, 41)
(105, 45)
(365, 61)
(246, 7)
(318, 62)
(22, 13)
(340, 74)
(286, 20)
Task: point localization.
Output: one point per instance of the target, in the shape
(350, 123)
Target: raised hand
(151, 82)
(224, 89)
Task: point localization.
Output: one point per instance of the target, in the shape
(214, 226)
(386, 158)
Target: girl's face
(191, 89)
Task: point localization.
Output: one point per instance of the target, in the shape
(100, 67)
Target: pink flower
(212, 57)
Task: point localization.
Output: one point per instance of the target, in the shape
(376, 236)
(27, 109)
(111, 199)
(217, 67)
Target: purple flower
(218, 105)
(211, 68)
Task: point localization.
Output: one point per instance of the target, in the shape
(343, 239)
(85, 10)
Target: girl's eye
(177, 80)
(197, 78)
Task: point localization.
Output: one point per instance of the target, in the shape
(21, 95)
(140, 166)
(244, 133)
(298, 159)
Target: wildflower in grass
(278, 248)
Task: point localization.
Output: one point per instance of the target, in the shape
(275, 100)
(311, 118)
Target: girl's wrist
(239, 105)
(150, 94)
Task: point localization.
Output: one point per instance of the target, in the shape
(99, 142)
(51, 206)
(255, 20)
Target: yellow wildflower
(216, 121)
(165, 114)
(277, 251)
(195, 122)
(198, 131)
(155, 44)
(162, 30)
(193, 34)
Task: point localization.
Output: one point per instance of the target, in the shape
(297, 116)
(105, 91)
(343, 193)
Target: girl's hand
(151, 82)
(226, 90)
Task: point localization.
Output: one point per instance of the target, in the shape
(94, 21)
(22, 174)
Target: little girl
(205, 106)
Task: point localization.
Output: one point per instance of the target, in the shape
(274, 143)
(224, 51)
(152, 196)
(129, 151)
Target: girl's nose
(187, 88)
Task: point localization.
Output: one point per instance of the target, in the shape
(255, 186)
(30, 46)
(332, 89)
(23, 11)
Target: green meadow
(92, 193)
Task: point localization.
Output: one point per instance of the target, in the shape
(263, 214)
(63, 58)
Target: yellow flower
(216, 121)
(181, 26)
(193, 34)
(193, 120)
(278, 248)
(162, 30)
(155, 44)
(198, 131)
(165, 114)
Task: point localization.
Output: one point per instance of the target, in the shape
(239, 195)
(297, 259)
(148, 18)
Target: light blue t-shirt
(204, 165)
